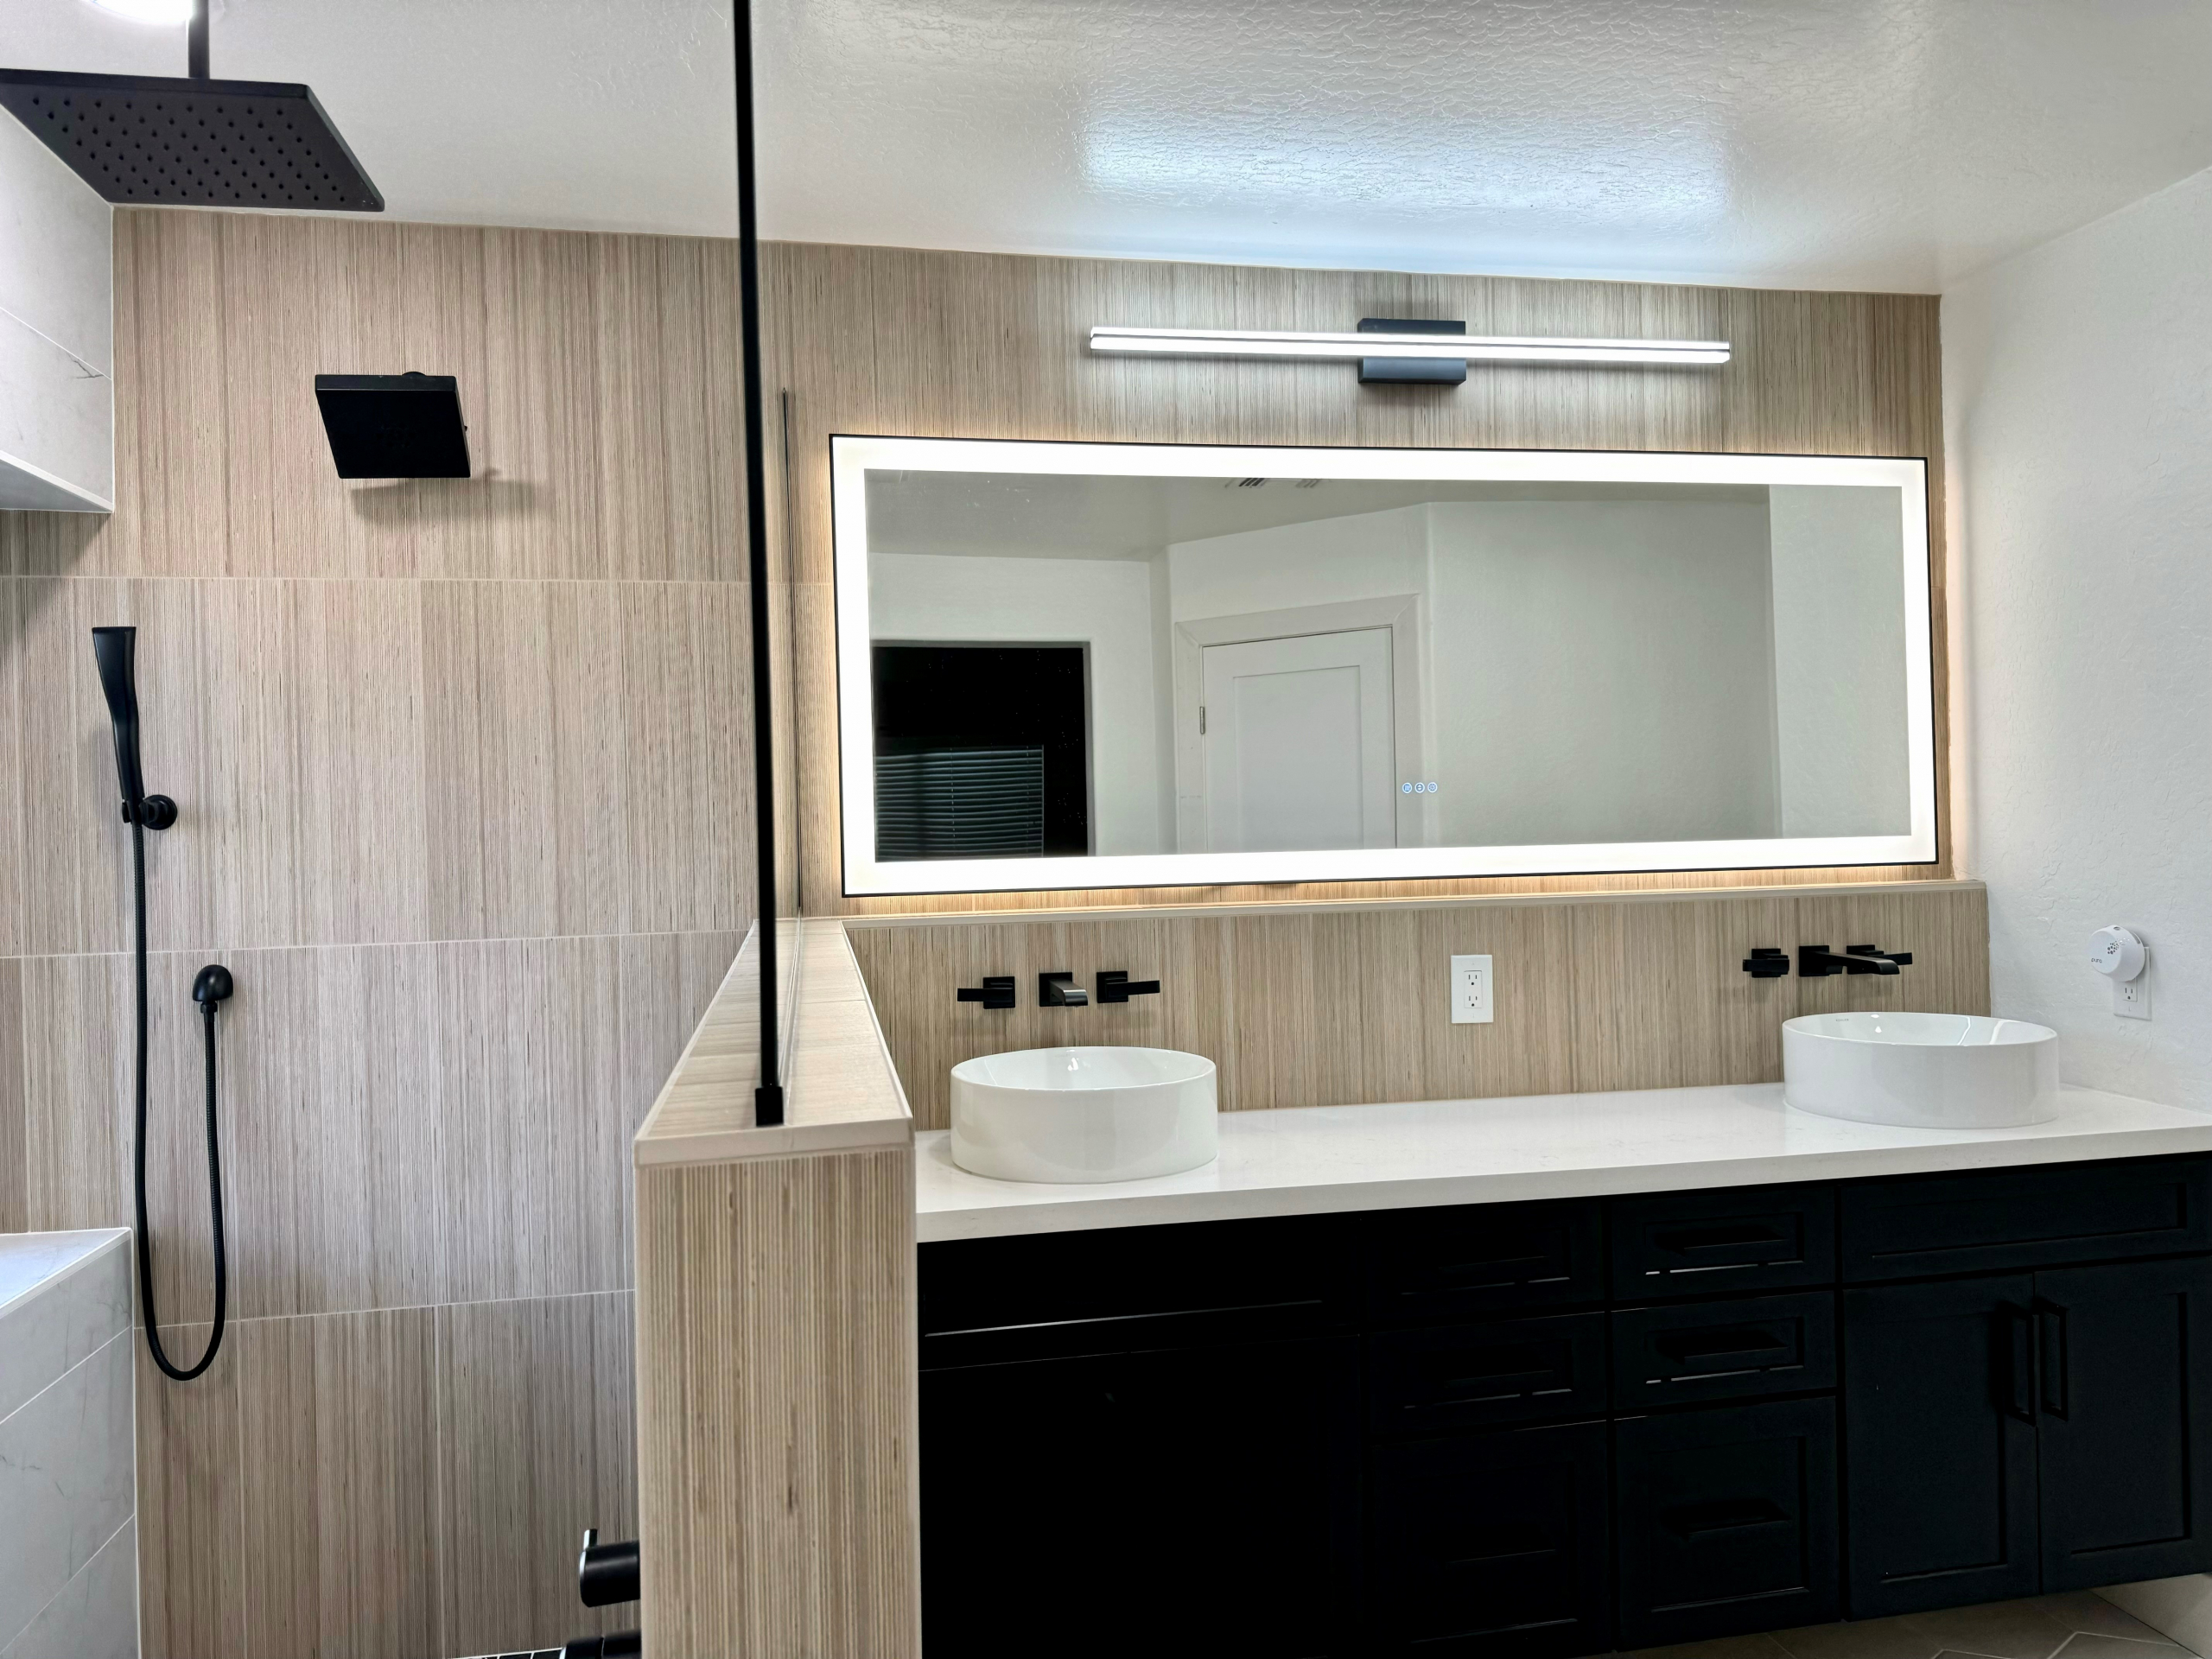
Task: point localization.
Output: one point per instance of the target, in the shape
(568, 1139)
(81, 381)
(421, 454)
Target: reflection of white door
(1299, 752)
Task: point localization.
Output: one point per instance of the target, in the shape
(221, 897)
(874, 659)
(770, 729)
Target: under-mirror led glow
(1069, 665)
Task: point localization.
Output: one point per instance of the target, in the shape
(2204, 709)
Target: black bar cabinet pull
(2050, 1343)
(2018, 1337)
(1723, 1515)
(1722, 1235)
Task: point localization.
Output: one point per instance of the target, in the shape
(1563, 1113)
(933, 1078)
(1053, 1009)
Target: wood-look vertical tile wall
(464, 767)
(909, 343)
(1320, 1007)
(775, 1297)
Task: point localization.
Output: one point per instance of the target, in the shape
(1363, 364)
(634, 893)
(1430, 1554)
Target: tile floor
(2075, 1625)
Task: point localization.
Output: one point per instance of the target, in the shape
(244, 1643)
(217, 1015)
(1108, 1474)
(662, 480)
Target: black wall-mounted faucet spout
(1818, 962)
(1060, 991)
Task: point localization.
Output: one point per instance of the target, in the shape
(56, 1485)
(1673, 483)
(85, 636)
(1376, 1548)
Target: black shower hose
(214, 1160)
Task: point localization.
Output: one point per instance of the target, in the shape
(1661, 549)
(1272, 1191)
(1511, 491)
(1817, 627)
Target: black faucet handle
(1903, 958)
(1059, 990)
(1116, 986)
(1767, 962)
(995, 992)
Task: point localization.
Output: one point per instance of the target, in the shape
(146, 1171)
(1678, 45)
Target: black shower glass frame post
(768, 1097)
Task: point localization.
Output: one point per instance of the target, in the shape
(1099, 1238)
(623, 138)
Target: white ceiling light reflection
(167, 12)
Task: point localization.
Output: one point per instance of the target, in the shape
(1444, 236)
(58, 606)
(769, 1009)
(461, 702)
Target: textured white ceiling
(1842, 144)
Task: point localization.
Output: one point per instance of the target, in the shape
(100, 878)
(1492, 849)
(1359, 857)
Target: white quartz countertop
(1321, 1159)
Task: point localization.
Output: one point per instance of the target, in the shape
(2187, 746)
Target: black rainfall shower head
(394, 425)
(192, 143)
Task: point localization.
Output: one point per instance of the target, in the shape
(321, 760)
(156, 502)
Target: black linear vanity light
(1421, 350)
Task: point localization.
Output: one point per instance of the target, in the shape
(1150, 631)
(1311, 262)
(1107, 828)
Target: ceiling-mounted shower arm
(195, 41)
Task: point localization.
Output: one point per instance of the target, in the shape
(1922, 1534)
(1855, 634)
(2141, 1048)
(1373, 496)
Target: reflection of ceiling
(1888, 145)
(1027, 515)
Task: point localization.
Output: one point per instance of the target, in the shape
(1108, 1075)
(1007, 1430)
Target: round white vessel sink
(1922, 1070)
(1083, 1113)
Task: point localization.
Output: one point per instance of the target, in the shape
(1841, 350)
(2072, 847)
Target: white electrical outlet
(1474, 1001)
(2131, 998)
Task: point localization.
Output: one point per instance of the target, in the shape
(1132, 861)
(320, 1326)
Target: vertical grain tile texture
(337, 1504)
(465, 786)
(905, 341)
(192, 1456)
(15, 1197)
(777, 1457)
(538, 1443)
(1350, 1007)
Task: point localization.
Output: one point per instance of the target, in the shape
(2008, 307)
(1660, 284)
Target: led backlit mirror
(1089, 665)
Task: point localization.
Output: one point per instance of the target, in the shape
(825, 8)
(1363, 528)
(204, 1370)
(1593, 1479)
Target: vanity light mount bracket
(1411, 370)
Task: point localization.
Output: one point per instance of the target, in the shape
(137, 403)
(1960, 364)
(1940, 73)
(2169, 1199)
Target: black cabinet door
(1490, 1544)
(2125, 1399)
(1939, 1426)
(1200, 1502)
(1727, 1520)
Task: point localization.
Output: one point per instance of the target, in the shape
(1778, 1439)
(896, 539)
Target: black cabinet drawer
(1493, 1545)
(986, 1300)
(1740, 1238)
(2007, 1219)
(1471, 1260)
(1471, 1376)
(1727, 1520)
(1721, 1351)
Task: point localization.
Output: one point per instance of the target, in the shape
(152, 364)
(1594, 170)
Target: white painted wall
(1602, 671)
(1325, 562)
(57, 333)
(1597, 670)
(2077, 392)
(1839, 661)
(1106, 603)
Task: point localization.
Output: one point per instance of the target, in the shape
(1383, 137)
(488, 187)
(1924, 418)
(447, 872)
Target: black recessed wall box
(394, 425)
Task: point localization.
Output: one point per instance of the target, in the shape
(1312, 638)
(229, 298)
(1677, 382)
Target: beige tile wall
(1348, 1006)
(465, 770)
(925, 343)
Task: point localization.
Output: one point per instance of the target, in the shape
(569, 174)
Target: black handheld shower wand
(116, 650)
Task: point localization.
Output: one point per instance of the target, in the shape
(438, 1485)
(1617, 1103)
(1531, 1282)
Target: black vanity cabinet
(1141, 1442)
(2030, 1430)
(1533, 1431)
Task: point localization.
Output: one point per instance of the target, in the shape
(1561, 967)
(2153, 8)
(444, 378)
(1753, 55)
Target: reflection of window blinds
(960, 804)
